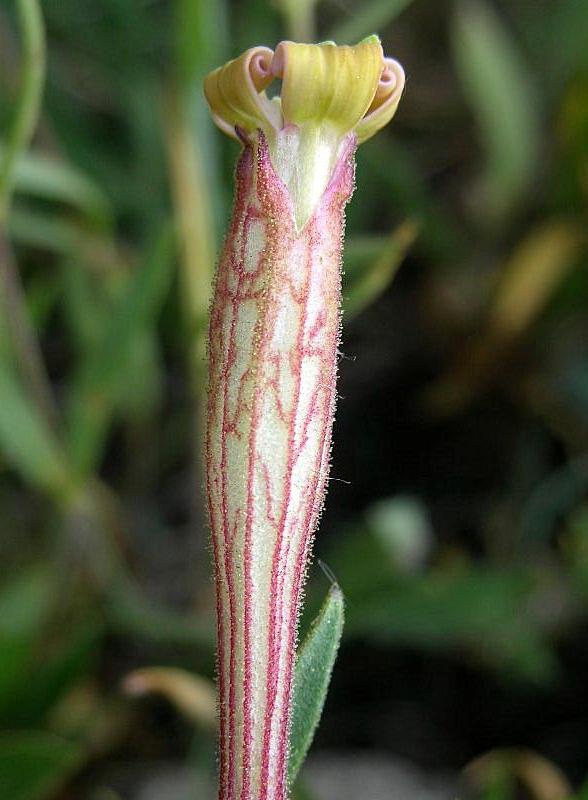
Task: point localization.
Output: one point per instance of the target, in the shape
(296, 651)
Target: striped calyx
(273, 340)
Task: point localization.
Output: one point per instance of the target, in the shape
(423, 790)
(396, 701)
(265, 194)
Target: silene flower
(273, 341)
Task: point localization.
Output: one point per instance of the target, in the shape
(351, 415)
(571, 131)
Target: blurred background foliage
(457, 517)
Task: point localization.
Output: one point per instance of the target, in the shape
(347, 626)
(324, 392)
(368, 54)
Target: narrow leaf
(34, 765)
(50, 179)
(104, 371)
(314, 666)
(201, 38)
(26, 441)
(498, 86)
(25, 602)
(52, 671)
(536, 268)
(24, 606)
(372, 273)
(43, 231)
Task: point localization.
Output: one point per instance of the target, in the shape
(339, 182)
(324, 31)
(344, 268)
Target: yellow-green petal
(385, 102)
(236, 92)
(327, 84)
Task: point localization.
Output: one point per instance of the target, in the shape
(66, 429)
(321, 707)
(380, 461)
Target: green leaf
(49, 179)
(34, 765)
(443, 608)
(201, 38)
(38, 663)
(52, 669)
(43, 231)
(26, 441)
(24, 606)
(557, 43)
(484, 610)
(86, 305)
(63, 235)
(367, 18)
(370, 266)
(104, 371)
(202, 44)
(25, 602)
(498, 86)
(314, 666)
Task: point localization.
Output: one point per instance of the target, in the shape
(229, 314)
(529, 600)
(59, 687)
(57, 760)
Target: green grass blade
(49, 179)
(49, 232)
(499, 89)
(367, 273)
(26, 440)
(103, 372)
(201, 38)
(29, 101)
(314, 666)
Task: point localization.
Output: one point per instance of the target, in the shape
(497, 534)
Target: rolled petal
(236, 92)
(385, 102)
(274, 333)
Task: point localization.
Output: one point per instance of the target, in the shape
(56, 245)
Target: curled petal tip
(385, 101)
(236, 92)
(260, 67)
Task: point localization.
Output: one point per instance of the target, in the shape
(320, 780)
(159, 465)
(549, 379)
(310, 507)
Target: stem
(191, 198)
(300, 19)
(188, 185)
(25, 120)
(27, 110)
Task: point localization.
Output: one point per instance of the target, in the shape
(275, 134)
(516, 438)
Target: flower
(273, 340)
(328, 92)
